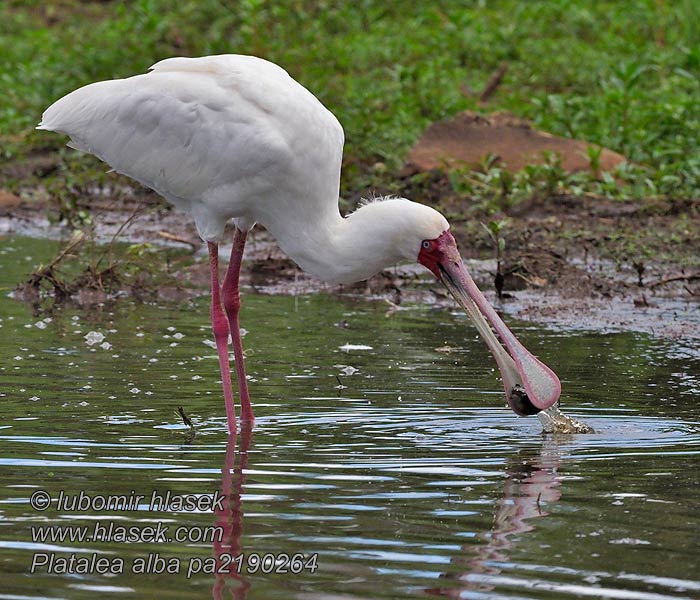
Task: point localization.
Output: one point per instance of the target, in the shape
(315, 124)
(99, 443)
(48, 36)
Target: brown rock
(468, 138)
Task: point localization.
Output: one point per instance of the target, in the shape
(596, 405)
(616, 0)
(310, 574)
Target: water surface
(396, 464)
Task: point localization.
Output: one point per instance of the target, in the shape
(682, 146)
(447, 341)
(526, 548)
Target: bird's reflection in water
(230, 519)
(532, 483)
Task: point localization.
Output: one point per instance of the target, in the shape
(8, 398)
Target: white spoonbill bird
(234, 137)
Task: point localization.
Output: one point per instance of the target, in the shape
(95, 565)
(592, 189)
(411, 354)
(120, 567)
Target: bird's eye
(426, 245)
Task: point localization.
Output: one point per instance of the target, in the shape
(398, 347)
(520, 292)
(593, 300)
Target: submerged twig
(189, 436)
(185, 419)
(75, 241)
(48, 272)
(105, 268)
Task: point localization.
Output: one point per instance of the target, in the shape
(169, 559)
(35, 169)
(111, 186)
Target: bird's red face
(530, 385)
(434, 252)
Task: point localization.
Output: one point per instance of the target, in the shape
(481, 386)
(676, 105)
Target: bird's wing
(214, 130)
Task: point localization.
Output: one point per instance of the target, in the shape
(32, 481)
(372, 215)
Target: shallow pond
(392, 467)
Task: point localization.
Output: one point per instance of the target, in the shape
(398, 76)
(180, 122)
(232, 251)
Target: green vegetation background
(623, 74)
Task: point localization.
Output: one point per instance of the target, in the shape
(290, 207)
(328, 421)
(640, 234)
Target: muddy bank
(580, 263)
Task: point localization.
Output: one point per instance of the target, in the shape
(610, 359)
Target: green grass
(625, 75)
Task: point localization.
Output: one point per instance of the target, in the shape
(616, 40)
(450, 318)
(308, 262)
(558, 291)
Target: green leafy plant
(620, 75)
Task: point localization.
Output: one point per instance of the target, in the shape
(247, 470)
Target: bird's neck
(340, 249)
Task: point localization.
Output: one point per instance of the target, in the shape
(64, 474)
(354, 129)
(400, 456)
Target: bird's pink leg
(232, 304)
(219, 324)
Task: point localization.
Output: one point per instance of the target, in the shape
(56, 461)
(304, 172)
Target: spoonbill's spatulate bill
(235, 138)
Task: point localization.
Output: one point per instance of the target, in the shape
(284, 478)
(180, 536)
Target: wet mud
(563, 263)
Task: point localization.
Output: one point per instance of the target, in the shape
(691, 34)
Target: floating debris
(94, 337)
(349, 370)
(630, 542)
(349, 347)
(445, 349)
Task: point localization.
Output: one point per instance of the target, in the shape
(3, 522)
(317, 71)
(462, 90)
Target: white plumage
(234, 137)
